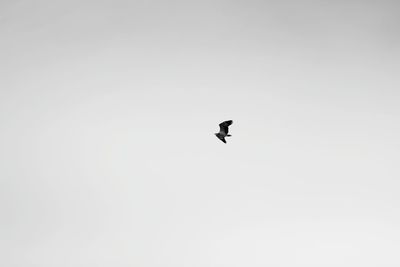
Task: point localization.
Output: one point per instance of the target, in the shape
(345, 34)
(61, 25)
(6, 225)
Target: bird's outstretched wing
(223, 126)
(221, 138)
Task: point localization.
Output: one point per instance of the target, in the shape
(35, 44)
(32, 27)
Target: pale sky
(108, 111)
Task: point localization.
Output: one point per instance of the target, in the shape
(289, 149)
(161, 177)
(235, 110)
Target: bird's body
(223, 130)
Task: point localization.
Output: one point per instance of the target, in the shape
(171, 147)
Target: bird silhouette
(223, 130)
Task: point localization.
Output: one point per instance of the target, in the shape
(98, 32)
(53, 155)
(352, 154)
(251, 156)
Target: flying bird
(223, 130)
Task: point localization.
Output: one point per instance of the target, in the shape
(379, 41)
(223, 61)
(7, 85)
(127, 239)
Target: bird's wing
(223, 126)
(222, 139)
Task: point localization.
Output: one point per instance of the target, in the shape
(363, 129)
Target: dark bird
(223, 130)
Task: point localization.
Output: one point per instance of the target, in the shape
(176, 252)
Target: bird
(223, 130)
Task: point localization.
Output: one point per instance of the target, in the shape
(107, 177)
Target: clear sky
(108, 111)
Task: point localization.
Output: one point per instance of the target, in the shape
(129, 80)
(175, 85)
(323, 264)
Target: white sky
(107, 151)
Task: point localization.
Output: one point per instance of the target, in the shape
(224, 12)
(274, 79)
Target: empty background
(107, 115)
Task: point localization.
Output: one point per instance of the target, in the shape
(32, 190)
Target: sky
(108, 111)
